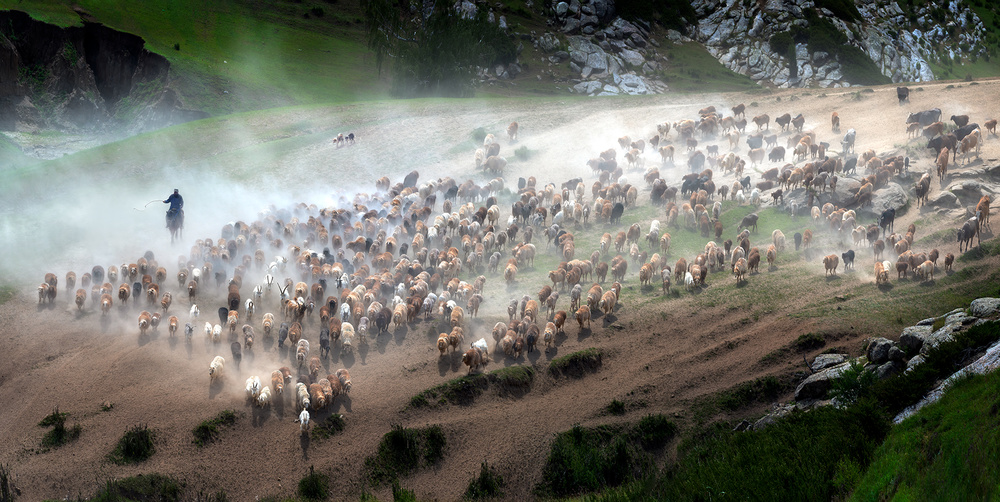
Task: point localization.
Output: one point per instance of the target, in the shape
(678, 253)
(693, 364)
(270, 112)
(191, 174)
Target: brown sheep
(901, 267)
(81, 296)
(762, 121)
(582, 316)
(881, 276)
(831, 262)
(473, 359)
(942, 163)
(926, 270)
(991, 126)
(145, 319)
(835, 122)
(949, 260)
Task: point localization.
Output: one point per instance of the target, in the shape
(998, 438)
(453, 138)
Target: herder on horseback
(176, 205)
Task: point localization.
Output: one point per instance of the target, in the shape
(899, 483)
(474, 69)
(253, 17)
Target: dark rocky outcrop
(82, 78)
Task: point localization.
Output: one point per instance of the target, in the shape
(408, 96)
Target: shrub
(586, 459)
(208, 431)
(577, 363)
(488, 484)
(853, 384)
(328, 427)
(59, 435)
(400, 494)
(314, 486)
(809, 341)
(403, 450)
(135, 446)
(761, 389)
(522, 153)
(616, 407)
(142, 487)
(478, 135)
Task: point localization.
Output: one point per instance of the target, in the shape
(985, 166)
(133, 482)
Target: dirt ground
(666, 353)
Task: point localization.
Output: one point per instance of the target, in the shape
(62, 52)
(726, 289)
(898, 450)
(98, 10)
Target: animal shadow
(832, 278)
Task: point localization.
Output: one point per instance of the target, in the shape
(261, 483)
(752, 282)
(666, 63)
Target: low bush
(403, 450)
(487, 485)
(59, 435)
(578, 363)
(142, 487)
(136, 445)
(314, 486)
(208, 431)
(328, 427)
(585, 459)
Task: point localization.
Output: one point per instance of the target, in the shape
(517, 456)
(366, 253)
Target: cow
(925, 118)
(903, 95)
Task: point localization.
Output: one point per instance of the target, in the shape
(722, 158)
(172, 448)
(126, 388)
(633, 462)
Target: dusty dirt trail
(665, 354)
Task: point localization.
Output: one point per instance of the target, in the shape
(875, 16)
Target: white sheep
(303, 420)
(755, 197)
(481, 345)
(194, 312)
(688, 281)
(217, 367)
(264, 398)
(779, 239)
(302, 351)
(208, 330)
(253, 387)
(217, 334)
(302, 396)
(346, 337)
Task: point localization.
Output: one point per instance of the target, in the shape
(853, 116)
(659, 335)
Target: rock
(589, 21)
(548, 43)
(560, 56)
(572, 25)
(817, 385)
(777, 412)
(561, 9)
(588, 30)
(513, 70)
(896, 354)
(824, 361)
(587, 9)
(914, 361)
(502, 23)
(889, 369)
(587, 87)
(574, 6)
(912, 338)
(598, 61)
(985, 307)
(878, 350)
(927, 322)
(892, 195)
(632, 57)
(959, 318)
(637, 40)
(943, 335)
(586, 71)
(575, 68)
(943, 199)
(578, 57)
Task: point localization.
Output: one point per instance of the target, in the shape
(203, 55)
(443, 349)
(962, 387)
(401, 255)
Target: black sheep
(223, 315)
(616, 213)
(237, 353)
(282, 334)
(848, 258)
(798, 240)
(324, 342)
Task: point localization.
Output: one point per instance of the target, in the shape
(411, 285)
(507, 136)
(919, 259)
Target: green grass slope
(950, 450)
(233, 55)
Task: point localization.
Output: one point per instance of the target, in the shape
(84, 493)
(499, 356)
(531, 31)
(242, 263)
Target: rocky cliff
(784, 43)
(88, 78)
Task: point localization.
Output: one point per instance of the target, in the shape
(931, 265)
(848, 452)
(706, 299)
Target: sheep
(302, 351)
(830, 262)
(216, 333)
(277, 382)
(253, 387)
(926, 270)
(740, 269)
(268, 323)
(145, 319)
(343, 377)
(263, 398)
(194, 312)
(472, 358)
(302, 400)
(216, 369)
(303, 420)
(442, 343)
(583, 316)
(248, 336)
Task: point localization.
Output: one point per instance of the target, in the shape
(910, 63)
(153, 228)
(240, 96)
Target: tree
(433, 50)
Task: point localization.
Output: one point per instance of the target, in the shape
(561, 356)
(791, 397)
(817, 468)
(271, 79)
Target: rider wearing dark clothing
(176, 204)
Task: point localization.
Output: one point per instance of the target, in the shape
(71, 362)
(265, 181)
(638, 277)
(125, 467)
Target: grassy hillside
(236, 55)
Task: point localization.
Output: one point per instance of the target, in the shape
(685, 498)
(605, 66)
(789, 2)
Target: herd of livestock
(412, 251)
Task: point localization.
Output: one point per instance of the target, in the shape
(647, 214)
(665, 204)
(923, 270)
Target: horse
(175, 223)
